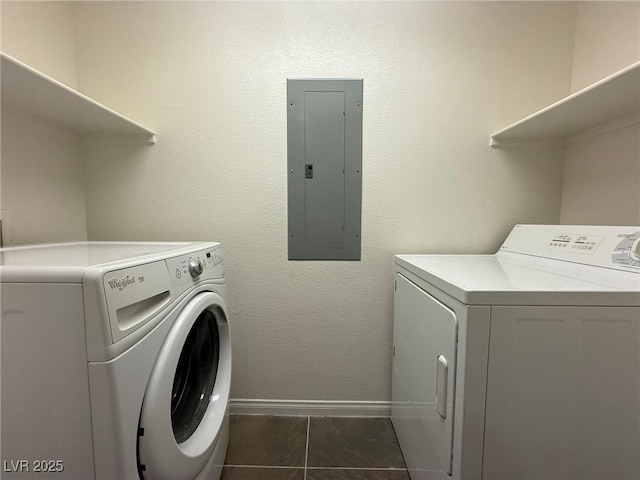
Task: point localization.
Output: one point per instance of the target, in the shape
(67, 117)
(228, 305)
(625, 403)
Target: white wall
(41, 34)
(602, 173)
(42, 182)
(42, 168)
(602, 180)
(211, 78)
(607, 40)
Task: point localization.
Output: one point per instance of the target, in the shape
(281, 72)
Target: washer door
(186, 400)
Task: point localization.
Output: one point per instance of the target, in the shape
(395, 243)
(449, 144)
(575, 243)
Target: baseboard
(312, 408)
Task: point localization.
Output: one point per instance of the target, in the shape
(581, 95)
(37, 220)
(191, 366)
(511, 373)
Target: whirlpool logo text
(121, 283)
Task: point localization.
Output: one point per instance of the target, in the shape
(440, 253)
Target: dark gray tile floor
(312, 448)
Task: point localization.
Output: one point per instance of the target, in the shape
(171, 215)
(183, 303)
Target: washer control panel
(602, 246)
(205, 264)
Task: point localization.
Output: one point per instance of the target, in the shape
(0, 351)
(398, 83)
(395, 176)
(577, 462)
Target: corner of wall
(602, 172)
(606, 40)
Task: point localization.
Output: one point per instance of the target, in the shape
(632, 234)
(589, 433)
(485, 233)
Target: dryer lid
(532, 269)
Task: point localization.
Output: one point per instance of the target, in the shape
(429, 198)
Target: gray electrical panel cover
(324, 163)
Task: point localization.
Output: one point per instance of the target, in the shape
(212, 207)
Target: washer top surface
(539, 265)
(69, 261)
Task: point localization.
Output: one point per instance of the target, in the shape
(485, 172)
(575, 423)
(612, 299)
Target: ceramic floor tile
(267, 440)
(259, 473)
(340, 474)
(353, 442)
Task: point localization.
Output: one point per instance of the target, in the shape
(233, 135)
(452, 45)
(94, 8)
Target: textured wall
(211, 78)
(607, 40)
(602, 183)
(41, 34)
(42, 182)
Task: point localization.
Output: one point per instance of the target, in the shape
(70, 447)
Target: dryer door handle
(441, 386)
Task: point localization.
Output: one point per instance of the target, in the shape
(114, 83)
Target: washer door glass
(195, 376)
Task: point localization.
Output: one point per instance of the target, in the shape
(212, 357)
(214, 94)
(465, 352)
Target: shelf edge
(497, 143)
(84, 98)
(634, 66)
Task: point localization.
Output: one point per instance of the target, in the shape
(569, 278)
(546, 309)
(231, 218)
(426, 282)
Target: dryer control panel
(600, 246)
(582, 244)
(627, 252)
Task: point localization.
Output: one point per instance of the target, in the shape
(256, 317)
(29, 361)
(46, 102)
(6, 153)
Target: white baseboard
(312, 408)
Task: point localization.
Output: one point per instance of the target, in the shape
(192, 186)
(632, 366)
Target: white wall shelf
(31, 91)
(614, 100)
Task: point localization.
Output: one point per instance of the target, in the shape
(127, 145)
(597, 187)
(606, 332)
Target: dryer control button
(195, 268)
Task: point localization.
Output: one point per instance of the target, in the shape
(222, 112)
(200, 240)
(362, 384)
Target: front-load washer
(116, 361)
(524, 364)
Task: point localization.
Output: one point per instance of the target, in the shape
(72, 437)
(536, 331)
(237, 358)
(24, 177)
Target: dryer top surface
(505, 280)
(535, 267)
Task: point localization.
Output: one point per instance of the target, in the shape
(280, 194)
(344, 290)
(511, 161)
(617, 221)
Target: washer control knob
(195, 268)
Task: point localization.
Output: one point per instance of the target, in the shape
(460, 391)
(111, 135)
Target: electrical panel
(324, 163)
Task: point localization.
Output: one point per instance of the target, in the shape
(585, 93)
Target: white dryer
(116, 361)
(524, 364)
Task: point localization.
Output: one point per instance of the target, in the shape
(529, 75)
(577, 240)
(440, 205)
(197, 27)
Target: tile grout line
(306, 452)
(281, 467)
(372, 469)
(293, 467)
